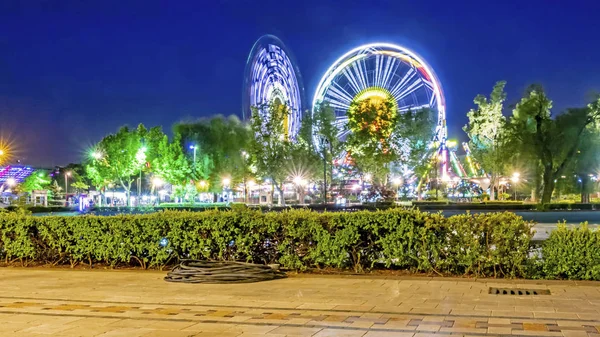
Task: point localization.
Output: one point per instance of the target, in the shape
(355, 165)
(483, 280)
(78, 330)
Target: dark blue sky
(72, 71)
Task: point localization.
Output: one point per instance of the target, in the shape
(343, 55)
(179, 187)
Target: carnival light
(11, 182)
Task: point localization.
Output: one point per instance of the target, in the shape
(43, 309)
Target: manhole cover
(518, 291)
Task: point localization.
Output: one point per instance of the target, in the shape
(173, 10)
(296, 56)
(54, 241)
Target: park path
(56, 302)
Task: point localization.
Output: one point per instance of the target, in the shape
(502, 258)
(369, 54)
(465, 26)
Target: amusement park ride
(365, 72)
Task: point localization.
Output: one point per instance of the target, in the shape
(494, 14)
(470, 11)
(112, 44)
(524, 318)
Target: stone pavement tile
(554, 315)
(534, 327)
(46, 329)
(168, 325)
(217, 334)
(250, 334)
(94, 321)
(388, 334)
(170, 333)
(208, 327)
(85, 331)
(6, 328)
(428, 327)
(574, 333)
(339, 332)
(250, 328)
(536, 333)
(499, 330)
(463, 330)
(125, 332)
(290, 330)
(493, 320)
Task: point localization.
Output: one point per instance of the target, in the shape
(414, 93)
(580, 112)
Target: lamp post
(67, 175)
(515, 180)
(157, 182)
(397, 181)
(195, 148)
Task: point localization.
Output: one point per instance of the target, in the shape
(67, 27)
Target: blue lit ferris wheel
(271, 74)
(382, 70)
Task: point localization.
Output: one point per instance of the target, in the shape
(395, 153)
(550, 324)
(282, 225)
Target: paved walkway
(37, 302)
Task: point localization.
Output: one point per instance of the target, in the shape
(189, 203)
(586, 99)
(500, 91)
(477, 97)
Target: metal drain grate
(518, 291)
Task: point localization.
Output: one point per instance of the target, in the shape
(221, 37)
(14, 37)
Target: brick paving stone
(69, 303)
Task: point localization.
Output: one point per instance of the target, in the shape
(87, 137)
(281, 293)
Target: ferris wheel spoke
(428, 84)
(340, 94)
(351, 80)
(412, 88)
(358, 73)
(389, 66)
(340, 121)
(413, 107)
(378, 66)
(343, 133)
(400, 85)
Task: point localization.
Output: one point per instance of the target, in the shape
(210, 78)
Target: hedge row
(495, 244)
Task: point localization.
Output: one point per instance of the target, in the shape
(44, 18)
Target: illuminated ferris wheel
(272, 75)
(381, 70)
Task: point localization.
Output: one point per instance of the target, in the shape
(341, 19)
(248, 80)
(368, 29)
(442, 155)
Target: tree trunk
(281, 196)
(492, 187)
(548, 179)
(585, 195)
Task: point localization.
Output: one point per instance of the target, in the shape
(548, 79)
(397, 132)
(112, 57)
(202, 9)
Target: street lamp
(67, 175)
(157, 182)
(515, 180)
(397, 181)
(97, 155)
(195, 148)
(11, 182)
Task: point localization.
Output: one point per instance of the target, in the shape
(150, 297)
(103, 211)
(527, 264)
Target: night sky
(72, 71)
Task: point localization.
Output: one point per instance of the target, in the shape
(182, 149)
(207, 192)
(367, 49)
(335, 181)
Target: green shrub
(572, 253)
(486, 245)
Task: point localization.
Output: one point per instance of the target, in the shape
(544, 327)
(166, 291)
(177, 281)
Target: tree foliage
(487, 131)
(221, 146)
(118, 157)
(369, 143)
(38, 180)
(553, 141)
(270, 148)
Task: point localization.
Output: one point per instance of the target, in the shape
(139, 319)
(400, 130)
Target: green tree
(371, 124)
(412, 138)
(551, 142)
(270, 148)
(171, 164)
(330, 147)
(222, 149)
(38, 180)
(487, 131)
(119, 158)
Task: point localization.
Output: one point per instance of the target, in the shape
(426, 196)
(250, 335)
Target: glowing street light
(11, 182)
(226, 182)
(397, 181)
(515, 180)
(67, 175)
(195, 148)
(96, 155)
(157, 182)
(298, 180)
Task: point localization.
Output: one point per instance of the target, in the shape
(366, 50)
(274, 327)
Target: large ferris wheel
(381, 70)
(272, 75)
